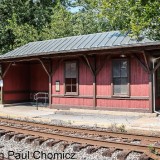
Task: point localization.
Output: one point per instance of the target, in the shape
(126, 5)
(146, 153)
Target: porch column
(50, 83)
(50, 91)
(94, 85)
(49, 73)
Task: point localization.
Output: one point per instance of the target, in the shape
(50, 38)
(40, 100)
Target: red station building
(108, 71)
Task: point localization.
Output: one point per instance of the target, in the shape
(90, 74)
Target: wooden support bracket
(6, 70)
(141, 63)
(89, 65)
(102, 64)
(146, 61)
(156, 67)
(44, 67)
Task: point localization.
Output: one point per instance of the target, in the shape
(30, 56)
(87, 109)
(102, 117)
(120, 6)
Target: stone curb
(104, 112)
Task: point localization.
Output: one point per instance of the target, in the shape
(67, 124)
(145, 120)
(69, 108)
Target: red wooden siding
(139, 88)
(39, 80)
(16, 83)
(123, 103)
(58, 76)
(139, 80)
(104, 80)
(85, 87)
(23, 79)
(30, 78)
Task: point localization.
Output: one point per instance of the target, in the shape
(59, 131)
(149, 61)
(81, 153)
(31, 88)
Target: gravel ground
(21, 150)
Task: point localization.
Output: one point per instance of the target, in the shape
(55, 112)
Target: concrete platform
(132, 122)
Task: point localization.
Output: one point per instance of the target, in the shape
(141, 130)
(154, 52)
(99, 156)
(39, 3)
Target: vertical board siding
(124, 104)
(23, 79)
(139, 86)
(39, 80)
(16, 82)
(58, 76)
(85, 86)
(27, 78)
(139, 82)
(104, 80)
(85, 80)
(73, 101)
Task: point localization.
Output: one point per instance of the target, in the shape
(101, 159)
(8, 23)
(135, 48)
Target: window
(120, 77)
(71, 79)
(158, 82)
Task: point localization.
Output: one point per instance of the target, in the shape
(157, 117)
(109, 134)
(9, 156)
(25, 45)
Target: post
(151, 93)
(153, 89)
(94, 84)
(50, 91)
(93, 71)
(94, 91)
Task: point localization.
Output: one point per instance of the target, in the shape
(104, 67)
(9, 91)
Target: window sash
(120, 77)
(71, 78)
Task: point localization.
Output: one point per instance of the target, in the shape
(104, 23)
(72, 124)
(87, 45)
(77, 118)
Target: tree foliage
(139, 17)
(23, 21)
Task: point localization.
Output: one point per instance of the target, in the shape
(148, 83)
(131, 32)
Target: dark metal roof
(105, 40)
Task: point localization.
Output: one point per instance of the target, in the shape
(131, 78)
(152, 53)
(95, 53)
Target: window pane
(68, 80)
(117, 86)
(74, 80)
(124, 85)
(123, 68)
(67, 70)
(71, 77)
(68, 88)
(116, 68)
(73, 70)
(74, 88)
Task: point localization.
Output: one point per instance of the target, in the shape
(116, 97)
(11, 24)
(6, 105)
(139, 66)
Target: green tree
(139, 17)
(22, 21)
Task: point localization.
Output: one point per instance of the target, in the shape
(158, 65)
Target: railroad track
(148, 146)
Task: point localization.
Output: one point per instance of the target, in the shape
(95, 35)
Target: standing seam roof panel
(69, 43)
(69, 47)
(125, 40)
(106, 39)
(119, 40)
(10, 53)
(42, 46)
(88, 45)
(25, 50)
(54, 43)
(86, 41)
(60, 47)
(101, 38)
(112, 39)
(33, 48)
(132, 41)
(60, 41)
(45, 48)
(75, 43)
(80, 42)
